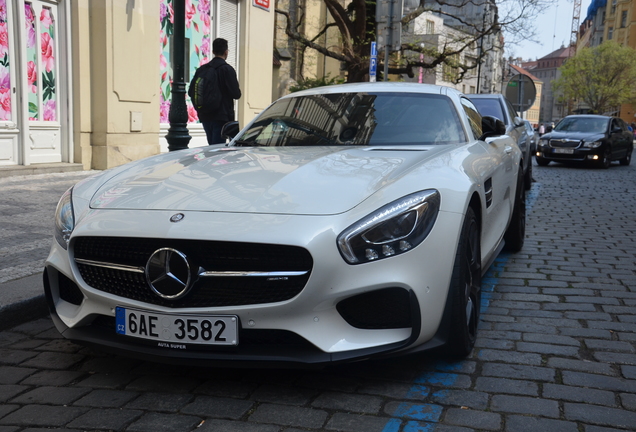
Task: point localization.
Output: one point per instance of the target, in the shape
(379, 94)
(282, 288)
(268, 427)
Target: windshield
(582, 124)
(357, 119)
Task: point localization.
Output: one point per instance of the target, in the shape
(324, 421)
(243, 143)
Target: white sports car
(343, 223)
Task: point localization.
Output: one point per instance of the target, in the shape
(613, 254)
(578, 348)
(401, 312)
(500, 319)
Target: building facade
(546, 69)
(88, 81)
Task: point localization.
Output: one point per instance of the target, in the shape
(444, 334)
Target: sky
(554, 28)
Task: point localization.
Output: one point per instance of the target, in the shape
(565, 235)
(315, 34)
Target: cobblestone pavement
(556, 351)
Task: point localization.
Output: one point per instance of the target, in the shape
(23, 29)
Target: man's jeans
(213, 131)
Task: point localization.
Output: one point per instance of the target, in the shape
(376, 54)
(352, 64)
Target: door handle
(508, 150)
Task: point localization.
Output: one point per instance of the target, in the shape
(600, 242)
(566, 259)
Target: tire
(528, 176)
(542, 161)
(465, 289)
(606, 159)
(628, 157)
(515, 235)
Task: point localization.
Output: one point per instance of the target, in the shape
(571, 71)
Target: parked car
(533, 137)
(342, 223)
(498, 106)
(587, 138)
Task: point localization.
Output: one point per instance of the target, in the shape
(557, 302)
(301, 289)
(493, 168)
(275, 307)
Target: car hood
(574, 136)
(278, 180)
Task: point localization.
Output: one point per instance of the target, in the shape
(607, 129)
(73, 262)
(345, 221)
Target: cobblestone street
(556, 349)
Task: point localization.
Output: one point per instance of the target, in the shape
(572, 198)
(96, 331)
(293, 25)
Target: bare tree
(355, 22)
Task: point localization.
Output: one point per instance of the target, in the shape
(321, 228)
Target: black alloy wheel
(515, 235)
(628, 157)
(465, 289)
(606, 158)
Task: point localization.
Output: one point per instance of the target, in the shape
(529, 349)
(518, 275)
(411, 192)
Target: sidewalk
(28, 197)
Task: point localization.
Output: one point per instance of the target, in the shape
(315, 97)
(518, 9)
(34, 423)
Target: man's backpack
(205, 91)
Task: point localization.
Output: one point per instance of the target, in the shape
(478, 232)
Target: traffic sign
(521, 92)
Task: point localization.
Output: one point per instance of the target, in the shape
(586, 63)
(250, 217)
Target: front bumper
(570, 154)
(308, 329)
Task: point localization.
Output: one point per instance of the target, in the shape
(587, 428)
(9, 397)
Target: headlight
(64, 219)
(544, 142)
(392, 230)
(593, 144)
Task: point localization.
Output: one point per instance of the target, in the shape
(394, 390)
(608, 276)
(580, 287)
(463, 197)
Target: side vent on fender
(488, 192)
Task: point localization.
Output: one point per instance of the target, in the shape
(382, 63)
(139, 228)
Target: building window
(430, 27)
(614, 6)
(610, 33)
(449, 70)
(623, 19)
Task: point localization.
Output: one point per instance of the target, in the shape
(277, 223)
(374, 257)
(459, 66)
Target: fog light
(593, 157)
(539, 154)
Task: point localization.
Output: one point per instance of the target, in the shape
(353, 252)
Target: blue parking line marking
(393, 425)
(418, 427)
(423, 412)
(437, 378)
(412, 411)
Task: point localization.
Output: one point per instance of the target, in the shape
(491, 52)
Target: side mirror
(492, 126)
(230, 129)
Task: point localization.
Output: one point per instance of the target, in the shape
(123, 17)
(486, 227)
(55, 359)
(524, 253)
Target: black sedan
(587, 138)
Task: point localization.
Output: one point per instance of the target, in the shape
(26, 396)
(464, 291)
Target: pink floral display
(5, 78)
(198, 19)
(50, 110)
(48, 56)
(5, 104)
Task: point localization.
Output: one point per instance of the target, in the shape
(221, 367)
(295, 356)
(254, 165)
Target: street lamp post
(178, 136)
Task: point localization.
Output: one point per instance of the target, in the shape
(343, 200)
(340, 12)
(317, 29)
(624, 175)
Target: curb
(22, 170)
(22, 300)
(23, 311)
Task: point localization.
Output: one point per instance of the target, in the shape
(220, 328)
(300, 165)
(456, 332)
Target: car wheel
(516, 233)
(606, 159)
(628, 157)
(542, 161)
(465, 289)
(528, 178)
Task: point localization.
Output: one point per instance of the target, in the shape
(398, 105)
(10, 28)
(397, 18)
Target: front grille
(207, 255)
(564, 143)
(381, 309)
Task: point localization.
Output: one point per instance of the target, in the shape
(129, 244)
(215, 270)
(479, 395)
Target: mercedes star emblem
(168, 273)
(178, 217)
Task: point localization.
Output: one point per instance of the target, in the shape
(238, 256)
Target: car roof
(376, 87)
(589, 116)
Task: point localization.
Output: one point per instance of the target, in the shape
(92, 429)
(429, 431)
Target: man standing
(228, 86)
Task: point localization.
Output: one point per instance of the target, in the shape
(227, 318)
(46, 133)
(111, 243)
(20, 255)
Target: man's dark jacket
(229, 89)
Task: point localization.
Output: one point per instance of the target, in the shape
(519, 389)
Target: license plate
(564, 150)
(178, 329)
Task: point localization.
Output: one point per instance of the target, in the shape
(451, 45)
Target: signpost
(388, 16)
(521, 92)
(373, 62)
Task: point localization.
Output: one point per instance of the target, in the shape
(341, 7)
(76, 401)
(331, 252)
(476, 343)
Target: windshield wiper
(242, 143)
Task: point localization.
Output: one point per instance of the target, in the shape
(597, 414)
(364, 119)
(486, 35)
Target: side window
(474, 118)
(511, 111)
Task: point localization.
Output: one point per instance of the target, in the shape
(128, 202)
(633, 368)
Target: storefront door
(30, 92)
